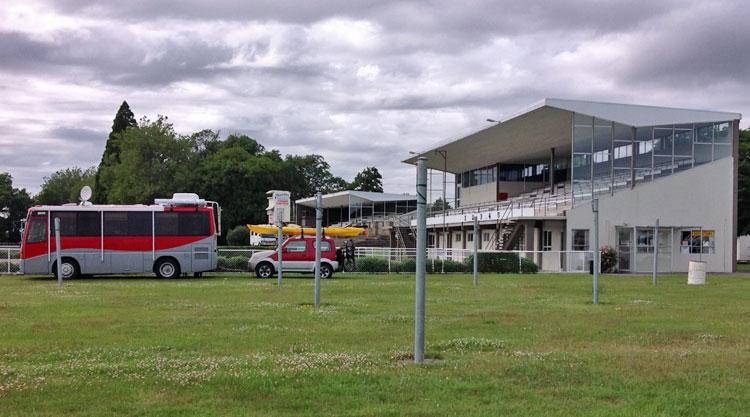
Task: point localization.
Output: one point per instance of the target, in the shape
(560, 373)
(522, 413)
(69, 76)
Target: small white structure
(743, 248)
(278, 199)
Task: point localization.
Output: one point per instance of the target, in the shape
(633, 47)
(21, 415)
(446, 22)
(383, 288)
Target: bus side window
(37, 231)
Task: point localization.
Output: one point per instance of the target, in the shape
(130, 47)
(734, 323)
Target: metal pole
(318, 229)
(421, 260)
(595, 209)
(57, 252)
(444, 154)
(476, 250)
(656, 250)
(279, 238)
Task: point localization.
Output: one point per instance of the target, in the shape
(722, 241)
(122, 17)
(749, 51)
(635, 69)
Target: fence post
(318, 229)
(656, 250)
(57, 252)
(595, 210)
(8, 249)
(419, 302)
(476, 250)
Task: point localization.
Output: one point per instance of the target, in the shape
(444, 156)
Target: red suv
(298, 255)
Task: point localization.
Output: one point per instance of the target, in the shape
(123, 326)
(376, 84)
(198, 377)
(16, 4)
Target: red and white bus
(171, 237)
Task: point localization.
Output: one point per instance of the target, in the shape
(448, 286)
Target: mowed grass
(516, 345)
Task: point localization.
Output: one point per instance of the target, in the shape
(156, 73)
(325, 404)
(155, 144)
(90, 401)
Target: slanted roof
(640, 115)
(342, 198)
(527, 136)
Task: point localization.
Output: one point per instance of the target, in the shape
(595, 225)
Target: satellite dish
(85, 193)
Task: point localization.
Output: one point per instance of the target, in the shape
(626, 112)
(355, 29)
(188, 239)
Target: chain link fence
(234, 260)
(10, 260)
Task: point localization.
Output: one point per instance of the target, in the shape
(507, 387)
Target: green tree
(369, 179)
(438, 205)
(123, 120)
(154, 162)
(743, 184)
(239, 236)
(64, 186)
(13, 205)
(309, 174)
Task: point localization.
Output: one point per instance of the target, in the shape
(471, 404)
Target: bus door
(127, 240)
(35, 249)
(91, 243)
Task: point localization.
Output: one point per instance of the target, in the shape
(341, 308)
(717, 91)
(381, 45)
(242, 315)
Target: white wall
(488, 192)
(701, 196)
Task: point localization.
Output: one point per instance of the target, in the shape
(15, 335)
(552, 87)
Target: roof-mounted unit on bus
(181, 199)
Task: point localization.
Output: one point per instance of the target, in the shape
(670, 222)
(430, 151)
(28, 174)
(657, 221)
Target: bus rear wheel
(167, 268)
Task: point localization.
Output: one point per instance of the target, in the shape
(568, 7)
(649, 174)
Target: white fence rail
(10, 260)
(547, 261)
(236, 260)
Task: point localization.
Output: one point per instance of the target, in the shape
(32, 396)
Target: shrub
(238, 236)
(528, 266)
(372, 264)
(232, 263)
(608, 259)
(493, 262)
(410, 265)
(444, 265)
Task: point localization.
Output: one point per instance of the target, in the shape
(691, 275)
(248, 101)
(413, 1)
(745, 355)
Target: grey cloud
(79, 134)
(439, 68)
(695, 50)
(112, 58)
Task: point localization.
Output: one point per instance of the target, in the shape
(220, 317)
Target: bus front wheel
(167, 268)
(70, 269)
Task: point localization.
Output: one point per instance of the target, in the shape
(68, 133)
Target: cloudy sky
(360, 82)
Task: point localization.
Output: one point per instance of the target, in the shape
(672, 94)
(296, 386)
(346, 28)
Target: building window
(469, 236)
(698, 241)
(645, 240)
(580, 239)
(486, 236)
(458, 237)
(546, 240)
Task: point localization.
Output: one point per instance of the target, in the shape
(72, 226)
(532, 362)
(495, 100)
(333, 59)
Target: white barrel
(696, 273)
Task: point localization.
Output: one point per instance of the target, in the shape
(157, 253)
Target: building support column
(552, 170)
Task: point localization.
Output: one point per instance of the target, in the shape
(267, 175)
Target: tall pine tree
(111, 156)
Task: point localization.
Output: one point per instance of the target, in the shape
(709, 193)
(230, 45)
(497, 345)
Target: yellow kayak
(299, 230)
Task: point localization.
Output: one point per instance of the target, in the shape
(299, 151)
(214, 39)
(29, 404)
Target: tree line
(146, 159)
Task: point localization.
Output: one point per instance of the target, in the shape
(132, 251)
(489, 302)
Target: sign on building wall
(279, 204)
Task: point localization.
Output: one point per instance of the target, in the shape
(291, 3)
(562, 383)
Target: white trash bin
(696, 273)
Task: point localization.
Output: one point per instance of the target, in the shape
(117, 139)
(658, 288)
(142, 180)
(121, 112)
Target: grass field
(518, 345)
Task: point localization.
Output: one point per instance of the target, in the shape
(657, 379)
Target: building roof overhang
(342, 198)
(528, 135)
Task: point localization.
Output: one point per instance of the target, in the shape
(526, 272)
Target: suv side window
(324, 246)
(296, 246)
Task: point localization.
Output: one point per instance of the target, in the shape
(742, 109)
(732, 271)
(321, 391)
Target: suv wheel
(264, 270)
(325, 271)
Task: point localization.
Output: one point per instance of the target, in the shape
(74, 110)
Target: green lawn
(518, 345)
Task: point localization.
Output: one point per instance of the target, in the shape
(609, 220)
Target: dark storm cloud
(109, 57)
(467, 17)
